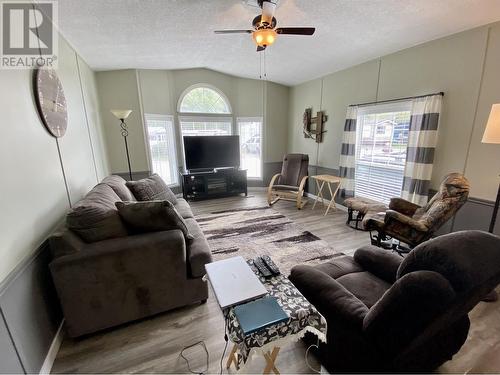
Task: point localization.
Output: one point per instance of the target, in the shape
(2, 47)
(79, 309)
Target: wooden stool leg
(232, 358)
(271, 361)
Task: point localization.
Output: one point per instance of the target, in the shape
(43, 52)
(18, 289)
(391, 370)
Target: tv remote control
(271, 265)
(264, 271)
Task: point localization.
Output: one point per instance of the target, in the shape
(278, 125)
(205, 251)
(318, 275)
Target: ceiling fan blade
(261, 48)
(296, 30)
(233, 31)
(268, 8)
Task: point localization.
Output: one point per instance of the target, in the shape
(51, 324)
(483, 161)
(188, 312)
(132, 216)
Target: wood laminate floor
(154, 345)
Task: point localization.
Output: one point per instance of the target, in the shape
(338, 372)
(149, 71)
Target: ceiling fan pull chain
(260, 66)
(265, 66)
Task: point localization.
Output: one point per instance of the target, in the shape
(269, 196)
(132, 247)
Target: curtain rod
(396, 100)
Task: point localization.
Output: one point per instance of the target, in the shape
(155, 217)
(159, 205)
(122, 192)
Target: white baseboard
(327, 201)
(52, 353)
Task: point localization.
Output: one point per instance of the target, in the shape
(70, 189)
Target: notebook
(259, 314)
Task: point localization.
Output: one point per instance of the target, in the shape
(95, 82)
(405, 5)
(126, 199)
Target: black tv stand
(215, 183)
(198, 171)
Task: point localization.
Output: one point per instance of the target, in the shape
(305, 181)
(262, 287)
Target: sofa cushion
(198, 250)
(64, 242)
(95, 217)
(339, 266)
(183, 208)
(118, 184)
(365, 286)
(152, 216)
(151, 188)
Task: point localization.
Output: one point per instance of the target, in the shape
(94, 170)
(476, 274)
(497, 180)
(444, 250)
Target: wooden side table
(327, 179)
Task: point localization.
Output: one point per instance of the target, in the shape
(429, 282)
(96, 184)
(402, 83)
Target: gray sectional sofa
(125, 277)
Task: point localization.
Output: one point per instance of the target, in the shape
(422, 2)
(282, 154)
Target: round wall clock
(50, 101)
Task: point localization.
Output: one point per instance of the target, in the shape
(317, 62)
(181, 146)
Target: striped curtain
(422, 141)
(348, 153)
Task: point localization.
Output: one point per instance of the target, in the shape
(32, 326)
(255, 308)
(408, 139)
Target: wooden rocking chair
(289, 184)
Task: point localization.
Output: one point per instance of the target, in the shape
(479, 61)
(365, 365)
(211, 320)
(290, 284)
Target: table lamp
(122, 114)
(492, 135)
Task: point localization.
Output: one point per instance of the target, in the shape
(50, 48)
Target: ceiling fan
(265, 32)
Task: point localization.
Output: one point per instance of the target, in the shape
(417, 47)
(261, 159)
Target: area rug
(257, 231)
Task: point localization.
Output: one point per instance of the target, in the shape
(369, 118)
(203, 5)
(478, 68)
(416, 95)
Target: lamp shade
(121, 114)
(264, 37)
(492, 131)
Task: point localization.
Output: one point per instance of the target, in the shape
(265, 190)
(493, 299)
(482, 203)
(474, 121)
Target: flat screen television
(209, 152)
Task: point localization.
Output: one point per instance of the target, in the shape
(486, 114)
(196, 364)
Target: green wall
(35, 196)
(158, 92)
(463, 65)
(454, 64)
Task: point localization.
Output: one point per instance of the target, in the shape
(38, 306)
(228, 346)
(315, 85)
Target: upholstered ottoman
(358, 207)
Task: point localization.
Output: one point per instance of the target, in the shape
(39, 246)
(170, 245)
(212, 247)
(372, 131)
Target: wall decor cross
(314, 126)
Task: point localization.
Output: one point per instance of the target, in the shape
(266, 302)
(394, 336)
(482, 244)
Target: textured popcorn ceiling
(178, 34)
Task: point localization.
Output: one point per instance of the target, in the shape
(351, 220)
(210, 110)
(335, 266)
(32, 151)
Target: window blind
(199, 125)
(381, 145)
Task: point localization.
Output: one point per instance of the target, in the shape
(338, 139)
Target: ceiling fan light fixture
(264, 37)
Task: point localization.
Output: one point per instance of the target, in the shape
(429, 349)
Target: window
(250, 131)
(199, 125)
(203, 110)
(381, 144)
(161, 141)
(204, 100)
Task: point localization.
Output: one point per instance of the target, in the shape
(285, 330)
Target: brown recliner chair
(386, 313)
(412, 224)
(289, 184)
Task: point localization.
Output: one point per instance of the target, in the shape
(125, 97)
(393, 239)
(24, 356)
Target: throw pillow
(152, 216)
(95, 217)
(118, 184)
(151, 188)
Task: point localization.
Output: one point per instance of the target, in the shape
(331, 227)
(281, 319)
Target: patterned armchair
(412, 224)
(289, 184)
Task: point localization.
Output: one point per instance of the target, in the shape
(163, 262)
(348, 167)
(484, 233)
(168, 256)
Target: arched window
(203, 99)
(204, 110)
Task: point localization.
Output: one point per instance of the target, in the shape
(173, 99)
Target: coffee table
(303, 318)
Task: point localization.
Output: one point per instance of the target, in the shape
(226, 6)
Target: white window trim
(156, 116)
(209, 86)
(254, 119)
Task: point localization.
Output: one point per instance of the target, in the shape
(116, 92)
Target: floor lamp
(122, 114)
(492, 135)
